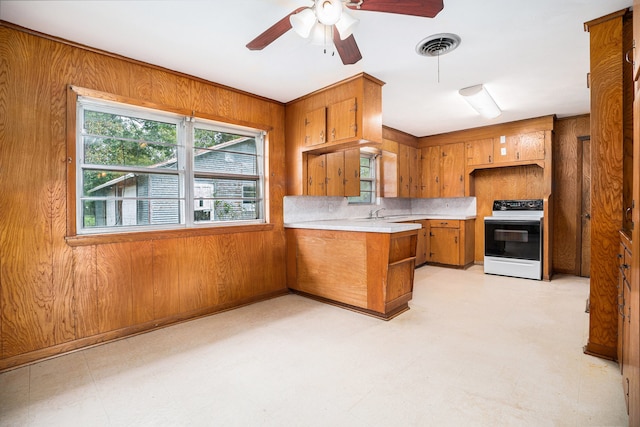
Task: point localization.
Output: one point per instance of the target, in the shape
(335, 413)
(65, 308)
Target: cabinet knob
(321, 136)
(339, 171)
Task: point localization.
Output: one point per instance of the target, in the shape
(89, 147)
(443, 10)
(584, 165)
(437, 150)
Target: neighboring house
(221, 193)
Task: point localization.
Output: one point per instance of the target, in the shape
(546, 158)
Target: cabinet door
(335, 174)
(317, 175)
(506, 149)
(422, 243)
(619, 300)
(452, 170)
(352, 172)
(444, 245)
(414, 172)
(389, 174)
(404, 171)
(531, 146)
(315, 124)
(341, 120)
(430, 173)
(480, 152)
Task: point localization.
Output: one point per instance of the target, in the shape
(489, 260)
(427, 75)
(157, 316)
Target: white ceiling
(533, 56)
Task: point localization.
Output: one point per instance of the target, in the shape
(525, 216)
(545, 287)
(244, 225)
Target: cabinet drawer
(445, 223)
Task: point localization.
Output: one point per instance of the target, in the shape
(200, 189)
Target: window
(367, 180)
(141, 169)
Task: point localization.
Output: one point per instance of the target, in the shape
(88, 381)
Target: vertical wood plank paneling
(51, 293)
(62, 261)
(27, 294)
(166, 278)
(85, 292)
(113, 277)
(194, 274)
(142, 281)
(140, 85)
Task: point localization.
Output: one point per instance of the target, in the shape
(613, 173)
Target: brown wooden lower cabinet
(628, 343)
(446, 242)
(367, 272)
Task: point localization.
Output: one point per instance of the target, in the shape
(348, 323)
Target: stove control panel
(518, 205)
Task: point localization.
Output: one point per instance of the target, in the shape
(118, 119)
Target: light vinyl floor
(473, 350)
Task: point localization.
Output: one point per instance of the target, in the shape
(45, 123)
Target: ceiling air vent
(438, 44)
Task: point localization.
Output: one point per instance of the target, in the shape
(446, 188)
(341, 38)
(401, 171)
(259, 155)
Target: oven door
(513, 238)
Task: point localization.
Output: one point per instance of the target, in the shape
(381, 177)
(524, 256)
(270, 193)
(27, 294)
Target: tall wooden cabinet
(634, 291)
(614, 316)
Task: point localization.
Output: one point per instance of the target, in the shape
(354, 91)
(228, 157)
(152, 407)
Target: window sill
(100, 239)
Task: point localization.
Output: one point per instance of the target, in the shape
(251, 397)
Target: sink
(383, 218)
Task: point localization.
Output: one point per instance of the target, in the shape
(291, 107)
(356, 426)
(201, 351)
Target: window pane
(226, 162)
(225, 200)
(104, 183)
(130, 212)
(120, 152)
(125, 127)
(206, 138)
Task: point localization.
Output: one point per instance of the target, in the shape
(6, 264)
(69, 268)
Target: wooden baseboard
(601, 351)
(384, 316)
(17, 361)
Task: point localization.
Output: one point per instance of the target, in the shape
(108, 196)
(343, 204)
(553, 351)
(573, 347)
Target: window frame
(373, 179)
(78, 236)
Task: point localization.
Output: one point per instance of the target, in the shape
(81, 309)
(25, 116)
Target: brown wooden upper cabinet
(343, 116)
(480, 152)
(443, 170)
(334, 123)
(408, 171)
(334, 174)
(506, 149)
(400, 172)
(517, 148)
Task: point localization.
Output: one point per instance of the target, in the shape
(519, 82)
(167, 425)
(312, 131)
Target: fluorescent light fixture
(478, 97)
(303, 22)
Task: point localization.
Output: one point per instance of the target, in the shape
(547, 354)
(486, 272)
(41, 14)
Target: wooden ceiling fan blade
(347, 48)
(273, 32)
(424, 8)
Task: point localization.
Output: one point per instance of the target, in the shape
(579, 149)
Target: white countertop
(389, 224)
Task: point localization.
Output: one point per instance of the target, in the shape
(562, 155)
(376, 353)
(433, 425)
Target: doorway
(584, 150)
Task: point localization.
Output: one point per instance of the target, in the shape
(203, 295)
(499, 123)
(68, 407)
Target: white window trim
(184, 171)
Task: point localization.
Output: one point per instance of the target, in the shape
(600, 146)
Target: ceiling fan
(328, 22)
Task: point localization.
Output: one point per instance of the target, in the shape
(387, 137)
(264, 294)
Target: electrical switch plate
(503, 139)
(503, 151)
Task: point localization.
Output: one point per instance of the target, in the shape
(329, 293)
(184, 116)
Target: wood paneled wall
(567, 181)
(56, 297)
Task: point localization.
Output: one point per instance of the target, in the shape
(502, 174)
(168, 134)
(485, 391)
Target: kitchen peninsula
(360, 262)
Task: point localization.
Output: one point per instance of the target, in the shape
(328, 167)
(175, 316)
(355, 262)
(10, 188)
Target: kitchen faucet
(375, 212)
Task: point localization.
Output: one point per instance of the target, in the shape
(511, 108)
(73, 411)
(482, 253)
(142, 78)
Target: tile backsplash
(312, 208)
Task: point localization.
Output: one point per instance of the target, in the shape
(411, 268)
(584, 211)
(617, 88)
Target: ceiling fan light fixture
(328, 11)
(321, 35)
(479, 98)
(303, 22)
(346, 25)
